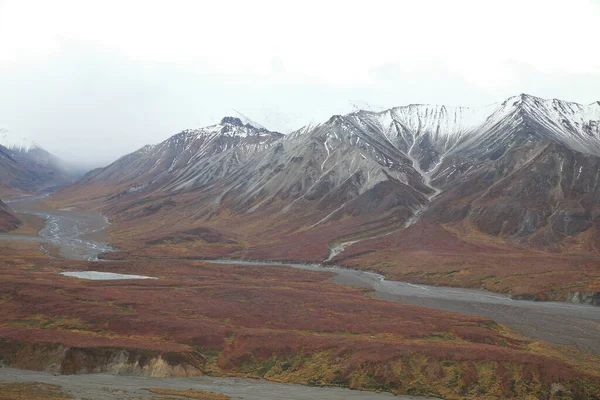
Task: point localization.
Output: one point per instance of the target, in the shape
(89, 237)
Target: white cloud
(305, 59)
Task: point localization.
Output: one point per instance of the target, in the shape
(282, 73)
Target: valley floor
(282, 324)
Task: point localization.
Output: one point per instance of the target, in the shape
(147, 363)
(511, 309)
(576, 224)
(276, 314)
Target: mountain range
(25, 165)
(520, 174)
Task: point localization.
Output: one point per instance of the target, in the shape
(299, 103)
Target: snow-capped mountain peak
(15, 143)
(449, 127)
(229, 126)
(192, 157)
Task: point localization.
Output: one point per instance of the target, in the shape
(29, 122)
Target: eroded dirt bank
(56, 358)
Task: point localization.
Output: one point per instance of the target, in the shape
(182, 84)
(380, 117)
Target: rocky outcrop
(60, 359)
(591, 298)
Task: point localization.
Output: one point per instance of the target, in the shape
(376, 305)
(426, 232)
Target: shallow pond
(103, 276)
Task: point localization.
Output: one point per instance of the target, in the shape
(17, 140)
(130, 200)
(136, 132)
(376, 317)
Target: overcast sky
(93, 80)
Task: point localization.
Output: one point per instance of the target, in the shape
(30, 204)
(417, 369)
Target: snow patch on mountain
(15, 143)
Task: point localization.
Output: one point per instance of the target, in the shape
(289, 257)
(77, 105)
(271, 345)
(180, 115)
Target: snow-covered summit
(445, 127)
(191, 157)
(229, 127)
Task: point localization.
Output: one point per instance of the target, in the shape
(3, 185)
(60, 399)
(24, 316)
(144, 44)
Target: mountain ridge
(24, 165)
(410, 146)
(522, 173)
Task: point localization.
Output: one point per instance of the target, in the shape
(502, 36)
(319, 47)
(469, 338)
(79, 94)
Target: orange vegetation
(427, 252)
(283, 324)
(433, 254)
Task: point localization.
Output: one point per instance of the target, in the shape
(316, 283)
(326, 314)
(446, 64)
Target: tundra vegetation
(284, 325)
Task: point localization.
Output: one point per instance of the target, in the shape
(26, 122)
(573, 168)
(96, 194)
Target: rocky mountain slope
(8, 220)
(24, 165)
(187, 160)
(523, 172)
